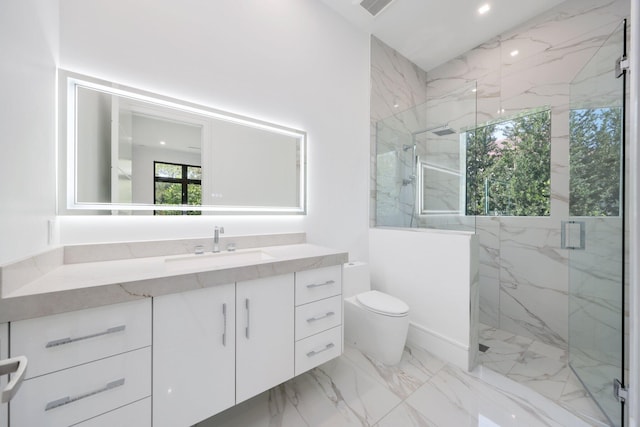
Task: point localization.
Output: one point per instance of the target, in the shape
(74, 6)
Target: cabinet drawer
(73, 395)
(318, 316)
(64, 340)
(136, 414)
(312, 285)
(317, 349)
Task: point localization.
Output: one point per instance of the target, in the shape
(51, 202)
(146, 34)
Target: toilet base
(377, 335)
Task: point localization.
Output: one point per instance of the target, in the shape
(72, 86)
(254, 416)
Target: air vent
(374, 7)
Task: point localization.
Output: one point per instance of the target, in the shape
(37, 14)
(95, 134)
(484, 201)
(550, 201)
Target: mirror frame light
(70, 82)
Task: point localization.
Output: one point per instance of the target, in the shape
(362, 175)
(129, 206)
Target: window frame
(184, 181)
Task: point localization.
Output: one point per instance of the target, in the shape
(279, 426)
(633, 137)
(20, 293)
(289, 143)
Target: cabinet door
(69, 396)
(64, 340)
(193, 355)
(137, 414)
(4, 353)
(265, 334)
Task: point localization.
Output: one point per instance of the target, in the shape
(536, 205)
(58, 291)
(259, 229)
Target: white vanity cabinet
(265, 334)
(218, 346)
(193, 355)
(318, 317)
(83, 364)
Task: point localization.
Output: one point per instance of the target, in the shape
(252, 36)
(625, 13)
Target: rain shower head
(443, 130)
(374, 7)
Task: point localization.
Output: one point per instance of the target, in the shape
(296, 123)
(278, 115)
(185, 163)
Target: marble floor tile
(575, 398)
(338, 393)
(548, 350)
(456, 398)
(414, 369)
(527, 406)
(421, 391)
(406, 416)
(541, 367)
(545, 375)
(269, 409)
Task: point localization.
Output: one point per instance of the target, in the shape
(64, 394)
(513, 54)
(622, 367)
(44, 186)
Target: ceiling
(431, 32)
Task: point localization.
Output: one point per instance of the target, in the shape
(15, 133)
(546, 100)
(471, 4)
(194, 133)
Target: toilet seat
(382, 303)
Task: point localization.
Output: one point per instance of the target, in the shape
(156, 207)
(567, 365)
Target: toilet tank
(355, 278)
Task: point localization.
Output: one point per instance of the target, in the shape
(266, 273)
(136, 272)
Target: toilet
(374, 322)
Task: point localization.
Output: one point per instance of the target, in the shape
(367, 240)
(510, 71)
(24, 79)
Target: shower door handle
(572, 235)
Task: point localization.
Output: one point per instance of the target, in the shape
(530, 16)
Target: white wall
(291, 62)
(435, 272)
(29, 46)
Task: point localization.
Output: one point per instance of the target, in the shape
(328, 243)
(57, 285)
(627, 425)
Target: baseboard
(440, 346)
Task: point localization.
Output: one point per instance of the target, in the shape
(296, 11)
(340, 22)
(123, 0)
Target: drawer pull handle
(325, 348)
(246, 330)
(17, 365)
(317, 285)
(63, 341)
(320, 317)
(70, 399)
(224, 332)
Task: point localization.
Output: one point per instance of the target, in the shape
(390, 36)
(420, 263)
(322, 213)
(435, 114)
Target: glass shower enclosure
(593, 233)
(421, 163)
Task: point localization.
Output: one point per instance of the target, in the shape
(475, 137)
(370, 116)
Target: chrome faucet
(217, 231)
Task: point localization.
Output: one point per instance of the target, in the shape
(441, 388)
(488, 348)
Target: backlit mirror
(133, 152)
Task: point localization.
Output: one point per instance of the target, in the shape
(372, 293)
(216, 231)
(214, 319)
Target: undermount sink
(219, 259)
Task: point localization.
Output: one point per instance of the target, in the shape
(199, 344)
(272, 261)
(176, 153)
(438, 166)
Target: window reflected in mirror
(176, 184)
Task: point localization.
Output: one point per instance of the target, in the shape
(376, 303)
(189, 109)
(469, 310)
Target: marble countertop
(63, 287)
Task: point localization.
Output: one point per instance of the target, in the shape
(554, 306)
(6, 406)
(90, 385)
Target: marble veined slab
(75, 286)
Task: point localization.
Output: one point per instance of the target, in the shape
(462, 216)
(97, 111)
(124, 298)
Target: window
(509, 167)
(177, 184)
(595, 153)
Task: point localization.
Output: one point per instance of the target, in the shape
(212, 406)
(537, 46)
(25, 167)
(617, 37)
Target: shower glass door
(594, 231)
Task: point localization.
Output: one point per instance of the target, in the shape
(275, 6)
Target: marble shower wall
(523, 271)
(397, 86)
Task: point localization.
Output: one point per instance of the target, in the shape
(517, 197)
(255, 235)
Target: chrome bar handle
(16, 366)
(70, 399)
(224, 322)
(568, 235)
(320, 317)
(246, 330)
(316, 285)
(325, 348)
(63, 341)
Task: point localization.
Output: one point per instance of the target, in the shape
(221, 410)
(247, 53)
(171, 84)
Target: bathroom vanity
(147, 333)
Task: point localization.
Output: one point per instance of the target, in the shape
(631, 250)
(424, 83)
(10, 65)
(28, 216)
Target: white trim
(440, 346)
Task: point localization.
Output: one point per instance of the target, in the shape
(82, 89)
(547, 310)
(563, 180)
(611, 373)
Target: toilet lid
(382, 303)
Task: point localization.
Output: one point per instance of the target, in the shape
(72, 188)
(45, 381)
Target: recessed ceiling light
(162, 142)
(484, 9)
(514, 52)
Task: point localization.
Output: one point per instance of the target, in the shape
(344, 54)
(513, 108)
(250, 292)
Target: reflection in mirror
(130, 152)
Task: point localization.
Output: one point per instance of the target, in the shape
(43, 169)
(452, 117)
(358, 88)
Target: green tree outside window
(177, 184)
